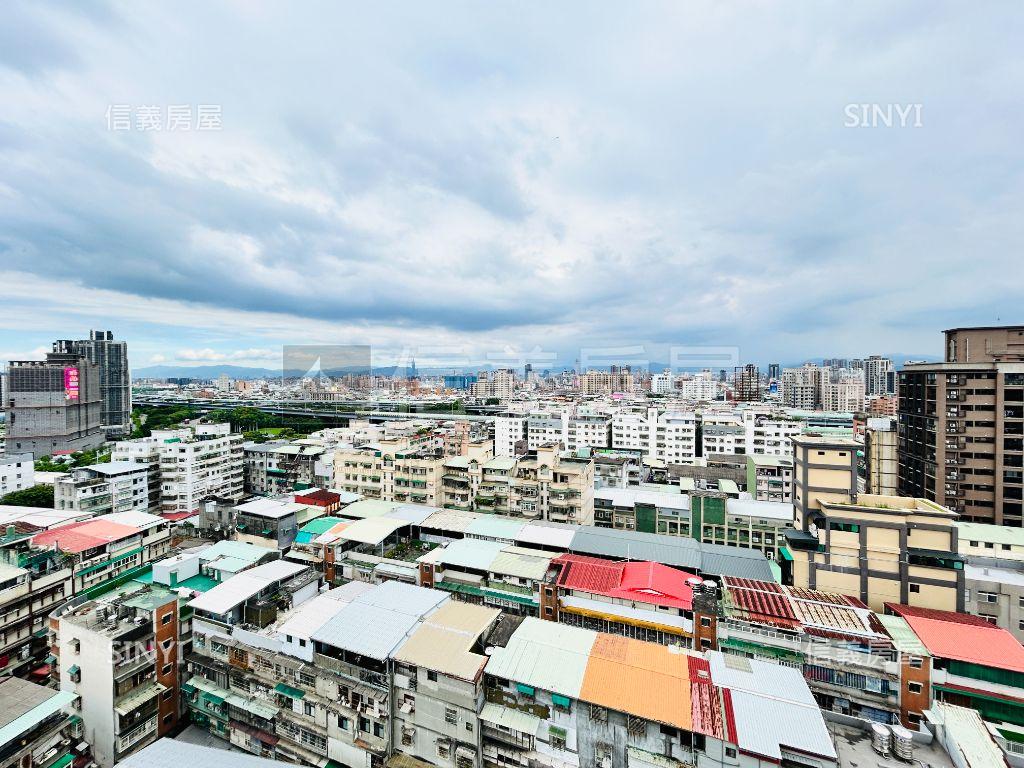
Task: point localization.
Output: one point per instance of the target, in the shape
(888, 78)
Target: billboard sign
(71, 383)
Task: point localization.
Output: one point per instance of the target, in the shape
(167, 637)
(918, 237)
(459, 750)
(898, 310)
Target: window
(378, 730)
(364, 724)
(431, 675)
(705, 621)
(469, 726)
(914, 687)
(309, 708)
(166, 619)
(165, 669)
(343, 723)
(730, 752)
(916, 662)
(166, 695)
(915, 588)
(451, 716)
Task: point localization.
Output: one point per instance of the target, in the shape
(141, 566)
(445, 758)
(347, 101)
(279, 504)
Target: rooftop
(245, 585)
(642, 582)
(963, 637)
(81, 536)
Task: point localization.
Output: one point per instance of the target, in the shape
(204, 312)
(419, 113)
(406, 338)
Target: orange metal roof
(645, 679)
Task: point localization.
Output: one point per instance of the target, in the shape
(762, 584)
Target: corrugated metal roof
(495, 528)
(768, 510)
(969, 737)
(645, 679)
(902, 635)
(367, 508)
(963, 637)
(272, 509)
(171, 753)
(772, 707)
(513, 561)
(547, 534)
(545, 655)
(628, 497)
(240, 588)
(412, 513)
(313, 614)
(370, 530)
(450, 520)
(477, 554)
(443, 641)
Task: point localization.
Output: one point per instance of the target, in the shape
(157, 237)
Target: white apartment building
(16, 473)
(768, 435)
(117, 486)
(669, 436)
(508, 430)
(801, 387)
(582, 429)
(661, 383)
(193, 463)
(500, 384)
(699, 386)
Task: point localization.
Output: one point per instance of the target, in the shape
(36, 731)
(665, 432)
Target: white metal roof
(140, 520)
(272, 509)
(627, 497)
(240, 588)
(771, 510)
(545, 655)
(171, 753)
(376, 622)
(547, 534)
(466, 553)
(772, 706)
(369, 530)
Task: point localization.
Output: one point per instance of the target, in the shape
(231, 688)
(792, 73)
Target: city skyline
(479, 180)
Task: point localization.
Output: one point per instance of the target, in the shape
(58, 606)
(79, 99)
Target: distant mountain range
(211, 372)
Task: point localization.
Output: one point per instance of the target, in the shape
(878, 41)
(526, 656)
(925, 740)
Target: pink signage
(70, 383)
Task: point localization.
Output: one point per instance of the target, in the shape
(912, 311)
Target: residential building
(801, 387)
(974, 664)
(120, 654)
(273, 523)
(549, 485)
(116, 486)
(617, 379)
(848, 660)
(881, 455)
(877, 548)
(192, 463)
(271, 469)
(561, 695)
(97, 550)
(111, 358)
(768, 434)
(636, 509)
(391, 471)
(510, 435)
(770, 478)
(961, 426)
(642, 600)
(879, 376)
(617, 468)
(16, 473)
(38, 726)
(499, 384)
(353, 675)
(53, 406)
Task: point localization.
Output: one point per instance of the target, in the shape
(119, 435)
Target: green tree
(36, 496)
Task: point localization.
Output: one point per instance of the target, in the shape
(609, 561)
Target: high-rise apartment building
(801, 387)
(111, 357)
(879, 376)
(961, 426)
(53, 405)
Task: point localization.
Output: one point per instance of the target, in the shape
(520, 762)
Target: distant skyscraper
(878, 378)
(774, 371)
(111, 357)
(747, 383)
(53, 405)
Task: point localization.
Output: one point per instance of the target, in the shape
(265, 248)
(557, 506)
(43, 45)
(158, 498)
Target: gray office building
(115, 377)
(53, 405)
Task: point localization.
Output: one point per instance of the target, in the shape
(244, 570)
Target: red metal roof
(318, 498)
(962, 637)
(78, 537)
(642, 582)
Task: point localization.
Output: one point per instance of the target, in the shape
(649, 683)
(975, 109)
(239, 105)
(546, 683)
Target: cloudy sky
(461, 182)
